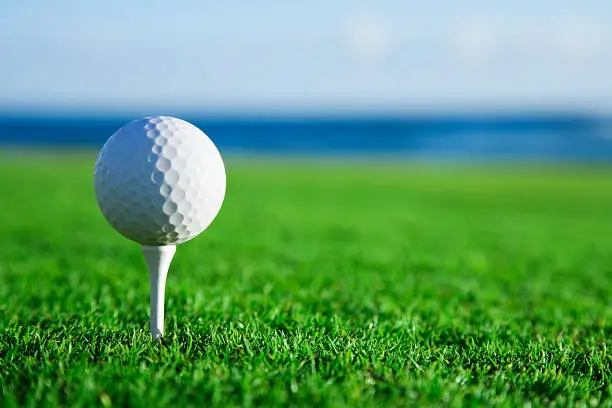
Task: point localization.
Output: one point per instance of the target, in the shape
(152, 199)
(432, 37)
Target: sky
(305, 56)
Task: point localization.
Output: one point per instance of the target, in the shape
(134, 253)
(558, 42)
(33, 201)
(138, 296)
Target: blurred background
(506, 79)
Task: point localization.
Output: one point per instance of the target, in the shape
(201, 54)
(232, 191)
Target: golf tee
(158, 259)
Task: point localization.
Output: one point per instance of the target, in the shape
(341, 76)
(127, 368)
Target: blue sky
(314, 55)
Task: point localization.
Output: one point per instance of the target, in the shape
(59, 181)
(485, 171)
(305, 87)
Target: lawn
(321, 283)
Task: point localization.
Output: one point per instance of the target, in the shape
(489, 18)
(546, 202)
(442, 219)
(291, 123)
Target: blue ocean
(544, 137)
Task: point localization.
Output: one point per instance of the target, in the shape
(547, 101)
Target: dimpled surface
(159, 180)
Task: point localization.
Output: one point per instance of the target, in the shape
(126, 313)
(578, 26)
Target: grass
(320, 284)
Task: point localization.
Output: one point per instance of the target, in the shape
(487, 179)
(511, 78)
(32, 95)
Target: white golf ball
(159, 180)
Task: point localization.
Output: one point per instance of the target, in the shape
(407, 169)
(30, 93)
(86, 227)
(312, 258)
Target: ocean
(542, 137)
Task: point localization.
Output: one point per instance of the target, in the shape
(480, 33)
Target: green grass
(319, 284)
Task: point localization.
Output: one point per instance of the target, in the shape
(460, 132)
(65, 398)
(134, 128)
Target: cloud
(512, 41)
(579, 39)
(474, 41)
(369, 39)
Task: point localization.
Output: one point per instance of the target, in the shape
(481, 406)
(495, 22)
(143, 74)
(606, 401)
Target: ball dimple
(172, 177)
(168, 228)
(165, 190)
(178, 195)
(169, 207)
(139, 206)
(169, 152)
(162, 126)
(163, 164)
(152, 158)
(157, 149)
(161, 140)
(156, 119)
(185, 207)
(195, 226)
(175, 141)
(157, 177)
(160, 219)
(153, 133)
(132, 190)
(178, 164)
(176, 219)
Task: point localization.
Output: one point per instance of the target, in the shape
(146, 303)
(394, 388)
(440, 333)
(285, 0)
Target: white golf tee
(158, 260)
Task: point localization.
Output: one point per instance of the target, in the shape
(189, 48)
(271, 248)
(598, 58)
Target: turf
(320, 284)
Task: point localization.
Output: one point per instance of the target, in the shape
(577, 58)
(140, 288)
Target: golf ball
(159, 180)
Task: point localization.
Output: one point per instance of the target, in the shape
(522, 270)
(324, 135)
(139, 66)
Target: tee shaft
(158, 259)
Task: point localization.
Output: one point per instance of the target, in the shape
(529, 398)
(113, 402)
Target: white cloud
(579, 39)
(369, 39)
(474, 41)
(528, 41)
